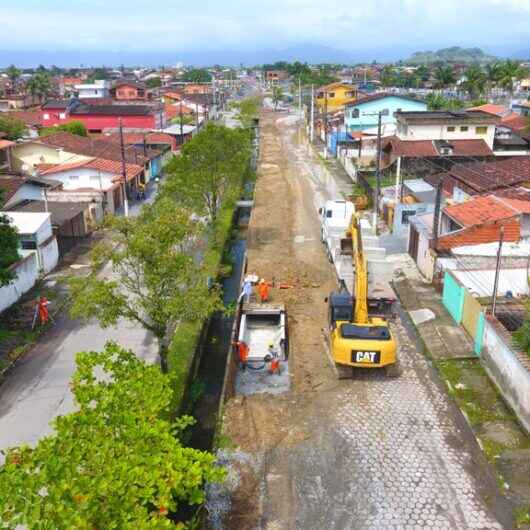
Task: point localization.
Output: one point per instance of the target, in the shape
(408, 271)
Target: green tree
(116, 462)
(74, 127)
(39, 85)
(14, 74)
(8, 246)
(444, 76)
(156, 281)
(248, 111)
(154, 82)
(210, 170)
(476, 81)
(197, 75)
(98, 73)
(13, 128)
(277, 95)
(509, 72)
(387, 76)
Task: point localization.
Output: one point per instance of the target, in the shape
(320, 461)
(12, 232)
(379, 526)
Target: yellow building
(335, 95)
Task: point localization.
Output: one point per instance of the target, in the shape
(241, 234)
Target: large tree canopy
(114, 463)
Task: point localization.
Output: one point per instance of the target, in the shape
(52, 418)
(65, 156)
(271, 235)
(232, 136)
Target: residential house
(19, 101)
(19, 189)
(64, 147)
(363, 114)
(31, 119)
(276, 77)
(100, 88)
(6, 157)
(467, 233)
(97, 118)
(335, 96)
(522, 108)
(128, 91)
(99, 176)
(66, 85)
(447, 126)
(197, 88)
(172, 97)
(36, 236)
(71, 222)
(462, 182)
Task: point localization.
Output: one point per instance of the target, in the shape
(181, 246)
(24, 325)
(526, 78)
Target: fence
(27, 272)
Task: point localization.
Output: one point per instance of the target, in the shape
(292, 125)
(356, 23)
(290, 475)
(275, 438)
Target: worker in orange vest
(263, 290)
(43, 310)
(242, 350)
(274, 367)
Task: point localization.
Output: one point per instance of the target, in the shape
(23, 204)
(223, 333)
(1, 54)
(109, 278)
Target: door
(413, 243)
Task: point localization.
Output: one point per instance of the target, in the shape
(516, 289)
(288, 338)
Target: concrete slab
(419, 316)
(251, 381)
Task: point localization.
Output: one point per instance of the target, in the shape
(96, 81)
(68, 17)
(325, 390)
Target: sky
(500, 26)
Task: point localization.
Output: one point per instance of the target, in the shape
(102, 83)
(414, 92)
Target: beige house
(26, 156)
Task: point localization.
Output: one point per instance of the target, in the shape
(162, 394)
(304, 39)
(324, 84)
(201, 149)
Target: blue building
(362, 115)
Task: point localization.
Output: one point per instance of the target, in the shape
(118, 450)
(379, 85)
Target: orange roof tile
(484, 209)
(99, 164)
(477, 235)
(490, 108)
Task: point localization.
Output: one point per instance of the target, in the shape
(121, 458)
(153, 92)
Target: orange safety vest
(243, 352)
(263, 290)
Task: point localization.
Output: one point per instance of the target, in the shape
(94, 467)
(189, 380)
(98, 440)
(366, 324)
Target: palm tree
(444, 76)
(14, 74)
(277, 95)
(509, 72)
(476, 80)
(39, 85)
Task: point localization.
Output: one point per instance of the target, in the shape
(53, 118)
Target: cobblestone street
(368, 453)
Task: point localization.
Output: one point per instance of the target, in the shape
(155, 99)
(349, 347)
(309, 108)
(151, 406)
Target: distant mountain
(521, 54)
(453, 54)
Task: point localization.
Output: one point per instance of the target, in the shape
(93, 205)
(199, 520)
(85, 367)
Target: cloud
(240, 24)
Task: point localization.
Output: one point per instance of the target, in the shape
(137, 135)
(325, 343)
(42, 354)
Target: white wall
(507, 372)
(49, 255)
(27, 272)
(32, 153)
(440, 132)
(73, 179)
(44, 231)
(27, 192)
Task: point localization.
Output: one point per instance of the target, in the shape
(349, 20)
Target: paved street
(370, 453)
(37, 389)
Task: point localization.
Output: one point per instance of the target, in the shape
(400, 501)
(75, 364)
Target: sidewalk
(36, 389)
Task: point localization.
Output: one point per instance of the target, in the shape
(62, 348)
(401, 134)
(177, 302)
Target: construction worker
(242, 350)
(263, 291)
(274, 366)
(42, 307)
(246, 291)
(141, 191)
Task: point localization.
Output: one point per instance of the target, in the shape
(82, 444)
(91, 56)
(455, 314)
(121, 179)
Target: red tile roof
(428, 148)
(93, 147)
(29, 117)
(9, 185)
(100, 164)
(486, 176)
(4, 144)
(516, 122)
(480, 210)
(477, 235)
(490, 108)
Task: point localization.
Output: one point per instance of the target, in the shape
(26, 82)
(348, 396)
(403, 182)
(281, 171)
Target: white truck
(335, 219)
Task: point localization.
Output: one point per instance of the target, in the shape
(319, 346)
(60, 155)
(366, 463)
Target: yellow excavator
(357, 338)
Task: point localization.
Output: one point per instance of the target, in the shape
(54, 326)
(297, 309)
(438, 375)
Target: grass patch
(522, 516)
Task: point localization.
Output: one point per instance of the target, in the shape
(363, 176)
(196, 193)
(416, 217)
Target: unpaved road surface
(369, 453)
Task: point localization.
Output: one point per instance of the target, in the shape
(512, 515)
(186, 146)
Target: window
(46, 116)
(28, 244)
(481, 130)
(405, 214)
(73, 177)
(331, 95)
(451, 129)
(355, 113)
(62, 115)
(464, 128)
(320, 95)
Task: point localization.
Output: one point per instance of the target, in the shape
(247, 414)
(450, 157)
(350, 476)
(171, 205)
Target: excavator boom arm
(361, 274)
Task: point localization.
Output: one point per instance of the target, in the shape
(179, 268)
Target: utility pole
(497, 271)
(312, 124)
(299, 95)
(197, 116)
(377, 172)
(181, 123)
(123, 171)
(436, 219)
(325, 123)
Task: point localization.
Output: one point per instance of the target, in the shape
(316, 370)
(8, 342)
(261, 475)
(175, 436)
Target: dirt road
(370, 453)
